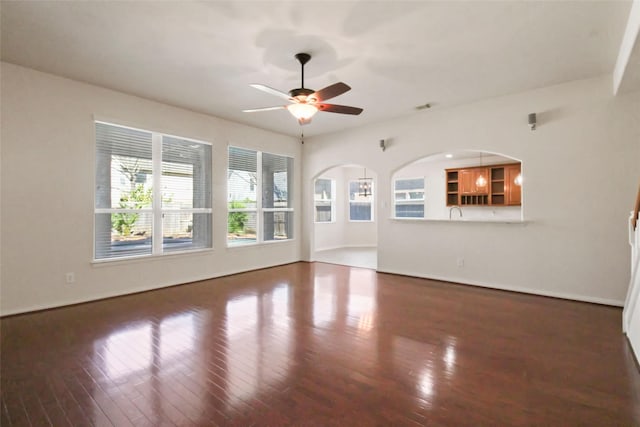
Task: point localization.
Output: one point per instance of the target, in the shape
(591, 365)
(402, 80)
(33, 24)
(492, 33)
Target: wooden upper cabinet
(469, 178)
(465, 176)
(500, 189)
(513, 191)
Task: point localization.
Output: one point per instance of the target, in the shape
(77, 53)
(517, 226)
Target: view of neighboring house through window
(255, 219)
(409, 198)
(360, 206)
(242, 183)
(324, 200)
(153, 193)
(277, 206)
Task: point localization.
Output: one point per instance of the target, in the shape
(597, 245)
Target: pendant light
(518, 180)
(364, 185)
(481, 181)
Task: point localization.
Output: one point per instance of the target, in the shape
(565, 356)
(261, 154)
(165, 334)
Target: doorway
(345, 218)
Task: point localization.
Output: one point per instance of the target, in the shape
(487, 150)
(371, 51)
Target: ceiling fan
(306, 102)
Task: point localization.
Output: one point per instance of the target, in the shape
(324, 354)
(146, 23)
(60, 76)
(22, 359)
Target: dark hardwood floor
(319, 345)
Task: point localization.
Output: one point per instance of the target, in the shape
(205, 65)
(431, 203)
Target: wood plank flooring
(319, 345)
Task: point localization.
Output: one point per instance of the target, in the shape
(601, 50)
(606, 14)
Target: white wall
(48, 152)
(342, 232)
(581, 169)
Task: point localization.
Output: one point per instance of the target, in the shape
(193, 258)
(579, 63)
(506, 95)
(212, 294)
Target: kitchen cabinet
(453, 185)
(499, 190)
(513, 190)
(497, 186)
(469, 179)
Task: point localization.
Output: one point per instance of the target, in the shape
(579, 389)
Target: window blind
(259, 187)
(277, 181)
(186, 194)
(409, 198)
(123, 192)
(152, 194)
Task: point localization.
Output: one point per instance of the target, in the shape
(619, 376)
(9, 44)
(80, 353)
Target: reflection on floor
(315, 344)
(353, 257)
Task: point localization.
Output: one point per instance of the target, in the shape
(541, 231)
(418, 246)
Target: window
(153, 193)
(324, 200)
(409, 198)
(254, 219)
(277, 185)
(360, 207)
(242, 179)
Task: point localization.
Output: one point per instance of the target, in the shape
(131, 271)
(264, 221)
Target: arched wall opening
(459, 185)
(345, 218)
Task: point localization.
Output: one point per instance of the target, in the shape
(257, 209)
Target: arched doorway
(345, 216)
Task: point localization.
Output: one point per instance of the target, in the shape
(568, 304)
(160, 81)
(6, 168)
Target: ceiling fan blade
(272, 91)
(342, 109)
(257, 110)
(330, 92)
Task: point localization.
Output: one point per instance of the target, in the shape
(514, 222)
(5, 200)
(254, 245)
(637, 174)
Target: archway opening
(345, 223)
(460, 185)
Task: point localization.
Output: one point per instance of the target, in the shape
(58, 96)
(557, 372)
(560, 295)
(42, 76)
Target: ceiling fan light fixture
(305, 103)
(302, 111)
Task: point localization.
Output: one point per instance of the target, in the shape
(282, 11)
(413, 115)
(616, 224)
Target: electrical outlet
(71, 277)
(460, 262)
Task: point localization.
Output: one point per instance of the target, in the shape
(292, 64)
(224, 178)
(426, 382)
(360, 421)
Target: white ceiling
(395, 55)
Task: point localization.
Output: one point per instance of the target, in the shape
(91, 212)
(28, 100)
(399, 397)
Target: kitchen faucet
(455, 207)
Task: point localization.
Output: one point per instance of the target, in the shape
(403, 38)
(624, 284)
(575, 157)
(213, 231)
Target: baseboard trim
(633, 352)
(332, 248)
(539, 292)
(109, 295)
(462, 281)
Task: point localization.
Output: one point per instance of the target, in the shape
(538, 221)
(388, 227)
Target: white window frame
(371, 202)
(156, 209)
(409, 201)
(331, 201)
(259, 209)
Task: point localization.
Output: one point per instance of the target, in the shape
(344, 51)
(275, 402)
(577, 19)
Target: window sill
(258, 244)
(463, 220)
(142, 258)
